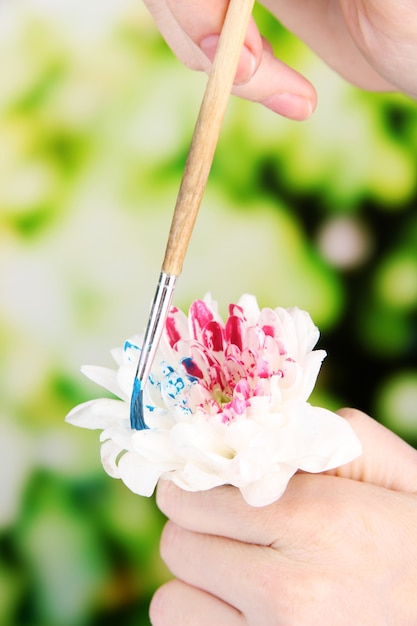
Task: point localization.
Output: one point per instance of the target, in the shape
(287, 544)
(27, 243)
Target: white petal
(154, 446)
(306, 332)
(239, 435)
(299, 333)
(324, 440)
(100, 413)
(109, 454)
(191, 440)
(118, 355)
(311, 368)
(195, 478)
(120, 433)
(269, 488)
(105, 377)
(139, 475)
(250, 306)
(158, 418)
(125, 378)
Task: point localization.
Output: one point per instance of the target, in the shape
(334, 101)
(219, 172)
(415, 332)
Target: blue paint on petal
(190, 367)
(173, 385)
(128, 345)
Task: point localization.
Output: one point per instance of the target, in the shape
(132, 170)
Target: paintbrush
(196, 172)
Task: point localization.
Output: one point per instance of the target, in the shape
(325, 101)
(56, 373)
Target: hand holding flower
(333, 550)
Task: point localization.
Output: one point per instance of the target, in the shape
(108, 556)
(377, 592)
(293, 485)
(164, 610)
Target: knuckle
(162, 493)
(170, 541)
(161, 605)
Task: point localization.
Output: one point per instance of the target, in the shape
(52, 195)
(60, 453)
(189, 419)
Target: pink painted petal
(243, 388)
(176, 327)
(268, 321)
(234, 331)
(213, 337)
(199, 316)
(254, 338)
(263, 368)
(192, 369)
(272, 353)
(292, 377)
(235, 310)
(234, 371)
(203, 365)
(248, 360)
(237, 406)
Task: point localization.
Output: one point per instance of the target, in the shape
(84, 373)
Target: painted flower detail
(226, 403)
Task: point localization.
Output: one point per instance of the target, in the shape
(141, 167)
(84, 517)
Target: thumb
(387, 460)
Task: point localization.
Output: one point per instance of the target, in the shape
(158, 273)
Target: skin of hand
(338, 548)
(371, 43)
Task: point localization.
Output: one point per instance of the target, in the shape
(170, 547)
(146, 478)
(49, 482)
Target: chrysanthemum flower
(226, 403)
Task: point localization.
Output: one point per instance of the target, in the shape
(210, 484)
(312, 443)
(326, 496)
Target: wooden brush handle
(206, 133)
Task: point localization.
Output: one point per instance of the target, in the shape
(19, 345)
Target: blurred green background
(96, 118)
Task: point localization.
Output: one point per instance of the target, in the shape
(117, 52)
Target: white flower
(226, 403)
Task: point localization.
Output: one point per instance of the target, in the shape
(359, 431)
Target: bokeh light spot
(345, 241)
(396, 281)
(397, 403)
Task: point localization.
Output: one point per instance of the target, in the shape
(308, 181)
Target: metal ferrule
(159, 311)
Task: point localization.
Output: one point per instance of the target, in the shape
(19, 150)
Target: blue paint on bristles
(137, 420)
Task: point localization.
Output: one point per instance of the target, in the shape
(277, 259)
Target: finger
(179, 604)
(271, 82)
(261, 77)
(203, 22)
(192, 31)
(174, 35)
(279, 88)
(333, 29)
(232, 571)
(223, 511)
(387, 460)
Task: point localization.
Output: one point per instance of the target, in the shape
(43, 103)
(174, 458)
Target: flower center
(220, 396)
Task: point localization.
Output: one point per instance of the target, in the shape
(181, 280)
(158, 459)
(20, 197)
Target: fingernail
(289, 105)
(247, 62)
